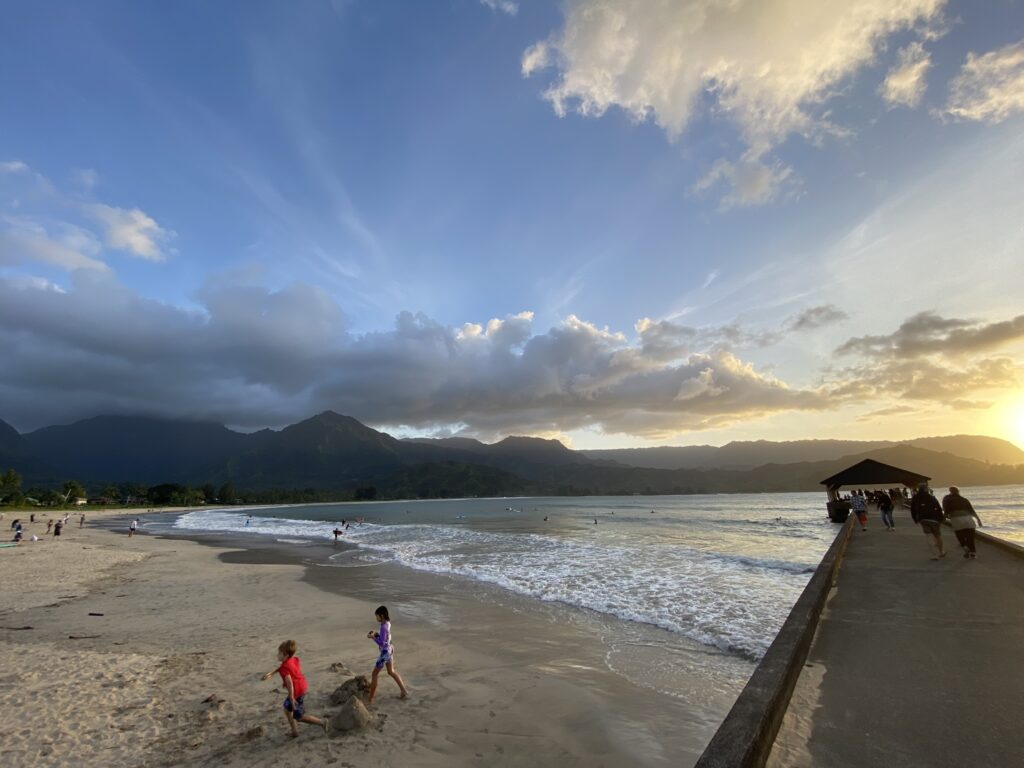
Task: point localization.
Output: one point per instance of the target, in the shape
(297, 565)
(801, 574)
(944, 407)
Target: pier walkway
(914, 662)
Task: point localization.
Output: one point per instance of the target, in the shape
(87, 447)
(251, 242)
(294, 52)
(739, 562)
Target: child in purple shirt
(387, 653)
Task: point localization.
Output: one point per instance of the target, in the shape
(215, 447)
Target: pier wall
(745, 738)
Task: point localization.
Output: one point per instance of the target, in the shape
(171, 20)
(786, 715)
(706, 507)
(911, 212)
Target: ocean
(688, 591)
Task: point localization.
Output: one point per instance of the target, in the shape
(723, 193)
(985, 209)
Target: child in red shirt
(295, 684)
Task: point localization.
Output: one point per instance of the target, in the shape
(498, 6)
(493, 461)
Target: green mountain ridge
(338, 454)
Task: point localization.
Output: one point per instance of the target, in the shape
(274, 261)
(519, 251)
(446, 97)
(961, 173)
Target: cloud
(817, 317)
(25, 240)
(132, 231)
(13, 166)
(85, 177)
(931, 359)
(905, 83)
(252, 357)
(928, 333)
(33, 283)
(990, 87)
(944, 383)
(893, 410)
(664, 340)
(55, 228)
(749, 181)
(766, 66)
(504, 6)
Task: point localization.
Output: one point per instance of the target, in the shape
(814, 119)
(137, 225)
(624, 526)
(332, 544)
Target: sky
(614, 222)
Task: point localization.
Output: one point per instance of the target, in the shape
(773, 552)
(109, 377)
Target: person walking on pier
(961, 516)
(885, 507)
(924, 509)
(860, 509)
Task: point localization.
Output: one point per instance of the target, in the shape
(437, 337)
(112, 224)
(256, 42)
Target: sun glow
(1011, 421)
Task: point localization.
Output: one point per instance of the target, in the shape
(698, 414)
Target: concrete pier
(914, 662)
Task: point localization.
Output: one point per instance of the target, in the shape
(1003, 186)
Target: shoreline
(180, 620)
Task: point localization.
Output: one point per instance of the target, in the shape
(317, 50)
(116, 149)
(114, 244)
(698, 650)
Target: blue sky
(624, 222)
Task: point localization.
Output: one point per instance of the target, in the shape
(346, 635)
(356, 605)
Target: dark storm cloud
(252, 357)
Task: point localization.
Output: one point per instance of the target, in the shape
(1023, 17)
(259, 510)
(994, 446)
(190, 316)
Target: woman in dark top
(962, 517)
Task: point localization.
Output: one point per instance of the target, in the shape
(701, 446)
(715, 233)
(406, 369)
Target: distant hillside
(10, 440)
(135, 448)
(751, 454)
(325, 451)
(735, 455)
(944, 469)
(338, 454)
(987, 449)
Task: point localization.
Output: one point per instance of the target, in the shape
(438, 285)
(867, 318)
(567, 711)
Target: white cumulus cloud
(133, 231)
(766, 66)
(905, 83)
(990, 87)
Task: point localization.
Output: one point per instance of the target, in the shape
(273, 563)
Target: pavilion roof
(871, 472)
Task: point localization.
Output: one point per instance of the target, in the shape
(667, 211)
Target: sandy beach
(148, 651)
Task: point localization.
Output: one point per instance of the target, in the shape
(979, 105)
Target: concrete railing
(745, 738)
(1003, 544)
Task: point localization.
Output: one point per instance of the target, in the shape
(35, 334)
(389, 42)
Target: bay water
(687, 592)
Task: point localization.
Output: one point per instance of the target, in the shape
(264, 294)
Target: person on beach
(57, 529)
(860, 509)
(338, 532)
(386, 659)
(133, 527)
(295, 684)
(885, 507)
(925, 510)
(81, 522)
(962, 517)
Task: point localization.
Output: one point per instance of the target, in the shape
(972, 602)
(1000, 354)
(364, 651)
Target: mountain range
(339, 454)
(749, 454)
